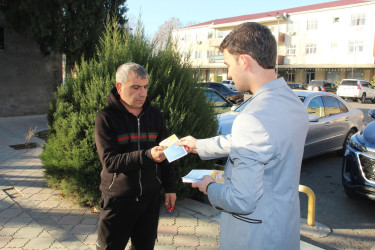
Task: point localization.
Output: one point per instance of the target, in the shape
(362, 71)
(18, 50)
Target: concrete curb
(318, 230)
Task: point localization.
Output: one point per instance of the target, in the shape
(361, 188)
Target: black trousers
(122, 218)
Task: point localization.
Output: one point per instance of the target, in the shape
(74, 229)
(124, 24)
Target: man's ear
(245, 61)
(118, 87)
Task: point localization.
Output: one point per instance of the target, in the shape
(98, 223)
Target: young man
(127, 135)
(260, 199)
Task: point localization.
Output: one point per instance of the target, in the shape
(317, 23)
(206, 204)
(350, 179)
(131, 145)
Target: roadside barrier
(311, 202)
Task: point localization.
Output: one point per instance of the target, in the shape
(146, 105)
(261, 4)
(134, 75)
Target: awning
(326, 66)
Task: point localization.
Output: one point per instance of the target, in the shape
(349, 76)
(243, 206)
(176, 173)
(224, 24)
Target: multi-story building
(327, 41)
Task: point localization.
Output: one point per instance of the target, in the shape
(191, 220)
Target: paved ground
(34, 216)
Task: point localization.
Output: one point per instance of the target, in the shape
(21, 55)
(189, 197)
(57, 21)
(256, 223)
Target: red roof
(318, 6)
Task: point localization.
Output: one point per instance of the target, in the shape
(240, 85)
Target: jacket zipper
(139, 148)
(113, 180)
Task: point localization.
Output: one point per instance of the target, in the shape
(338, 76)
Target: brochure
(173, 151)
(197, 175)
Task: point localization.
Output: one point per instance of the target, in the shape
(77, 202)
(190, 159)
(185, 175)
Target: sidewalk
(34, 216)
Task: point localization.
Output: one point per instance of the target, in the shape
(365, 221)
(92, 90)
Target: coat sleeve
(215, 147)
(250, 152)
(168, 175)
(112, 159)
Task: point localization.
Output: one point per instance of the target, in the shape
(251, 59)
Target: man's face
(234, 70)
(134, 92)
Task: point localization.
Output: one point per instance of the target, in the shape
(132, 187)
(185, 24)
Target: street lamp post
(277, 41)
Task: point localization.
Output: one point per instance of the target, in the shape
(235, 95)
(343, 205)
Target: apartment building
(327, 41)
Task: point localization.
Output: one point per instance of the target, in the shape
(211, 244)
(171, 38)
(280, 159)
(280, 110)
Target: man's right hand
(158, 154)
(189, 143)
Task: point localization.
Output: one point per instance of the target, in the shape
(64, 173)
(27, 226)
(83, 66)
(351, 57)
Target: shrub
(69, 156)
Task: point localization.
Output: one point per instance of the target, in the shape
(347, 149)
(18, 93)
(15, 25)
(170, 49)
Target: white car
(332, 122)
(356, 90)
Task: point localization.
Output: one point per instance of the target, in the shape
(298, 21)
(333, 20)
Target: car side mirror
(233, 108)
(371, 113)
(313, 118)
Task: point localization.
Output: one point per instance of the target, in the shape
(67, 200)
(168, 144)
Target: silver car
(332, 122)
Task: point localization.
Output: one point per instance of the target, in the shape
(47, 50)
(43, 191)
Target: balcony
(216, 59)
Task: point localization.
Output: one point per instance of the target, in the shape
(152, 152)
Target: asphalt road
(352, 221)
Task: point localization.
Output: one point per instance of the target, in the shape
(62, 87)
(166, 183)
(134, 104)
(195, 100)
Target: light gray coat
(260, 198)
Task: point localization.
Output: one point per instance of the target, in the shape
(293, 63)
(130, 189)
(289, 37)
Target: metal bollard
(310, 204)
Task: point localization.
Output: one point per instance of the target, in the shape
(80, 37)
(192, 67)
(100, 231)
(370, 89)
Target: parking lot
(352, 221)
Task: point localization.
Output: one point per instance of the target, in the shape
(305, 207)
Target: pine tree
(70, 156)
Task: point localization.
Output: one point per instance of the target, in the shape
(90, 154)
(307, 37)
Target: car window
(364, 84)
(343, 108)
(215, 99)
(331, 105)
(349, 83)
(316, 107)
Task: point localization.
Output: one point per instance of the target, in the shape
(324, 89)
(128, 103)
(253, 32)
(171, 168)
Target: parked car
(232, 96)
(358, 167)
(322, 85)
(218, 101)
(332, 122)
(230, 84)
(295, 86)
(356, 90)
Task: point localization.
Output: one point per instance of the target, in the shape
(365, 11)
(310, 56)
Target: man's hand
(189, 143)
(202, 185)
(170, 200)
(158, 154)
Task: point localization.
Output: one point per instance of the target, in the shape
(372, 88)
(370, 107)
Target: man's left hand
(202, 185)
(170, 200)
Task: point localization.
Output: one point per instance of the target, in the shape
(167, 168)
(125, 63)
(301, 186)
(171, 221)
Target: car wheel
(346, 142)
(373, 100)
(363, 98)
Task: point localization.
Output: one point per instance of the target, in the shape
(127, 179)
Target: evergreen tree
(72, 27)
(70, 156)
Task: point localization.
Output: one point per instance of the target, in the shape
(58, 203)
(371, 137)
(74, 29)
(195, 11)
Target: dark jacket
(124, 144)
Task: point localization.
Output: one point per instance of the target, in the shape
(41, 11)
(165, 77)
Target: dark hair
(253, 39)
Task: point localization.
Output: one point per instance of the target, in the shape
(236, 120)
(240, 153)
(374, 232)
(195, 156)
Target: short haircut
(122, 73)
(253, 39)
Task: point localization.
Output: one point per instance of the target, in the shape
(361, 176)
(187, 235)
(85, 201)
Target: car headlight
(356, 144)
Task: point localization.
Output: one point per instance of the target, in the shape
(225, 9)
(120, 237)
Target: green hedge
(69, 156)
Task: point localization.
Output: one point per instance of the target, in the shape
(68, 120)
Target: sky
(154, 13)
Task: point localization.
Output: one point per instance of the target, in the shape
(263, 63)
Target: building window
(355, 47)
(198, 54)
(2, 39)
(291, 50)
(336, 20)
(220, 34)
(312, 24)
(199, 37)
(187, 38)
(310, 48)
(358, 20)
(291, 75)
